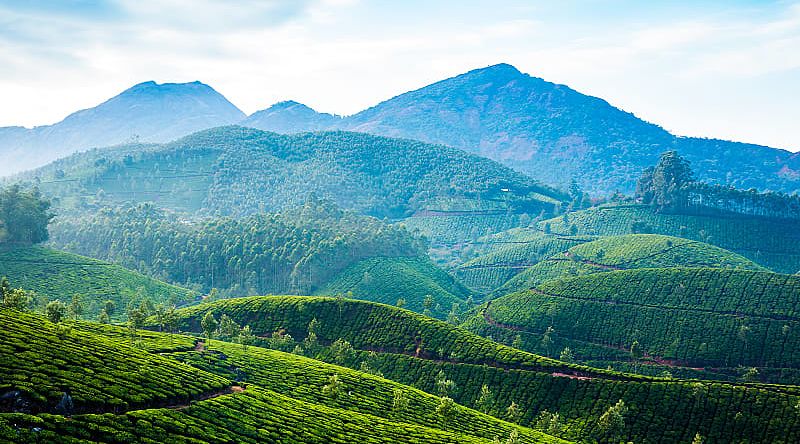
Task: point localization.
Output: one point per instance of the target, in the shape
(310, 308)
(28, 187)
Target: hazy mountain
(555, 133)
(148, 112)
(290, 117)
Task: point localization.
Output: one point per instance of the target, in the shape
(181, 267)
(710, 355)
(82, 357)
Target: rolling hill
(222, 171)
(412, 280)
(629, 251)
(553, 133)
(58, 275)
(419, 351)
(773, 243)
(182, 394)
(715, 318)
(148, 112)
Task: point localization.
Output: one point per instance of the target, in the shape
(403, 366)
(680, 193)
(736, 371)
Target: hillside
(289, 117)
(415, 350)
(58, 275)
(412, 280)
(222, 171)
(297, 250)
(501, 256)
(555, 133)
(182, 395)
(624, 252)
(773, 243)
(148, 111)
(700, 317)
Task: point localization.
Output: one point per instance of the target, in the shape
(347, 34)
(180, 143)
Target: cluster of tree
(294, 251)
(671, 185)
(24, 215)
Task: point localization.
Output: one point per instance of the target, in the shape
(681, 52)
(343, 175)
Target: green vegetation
(684, 317)
(24, 216)
(773, 243)
(42, 361)
(426, 353)
(230, 393)
(56, 275)
(294, 251)
(221, 171)
(506, 254)
(416, 281)
(627, 252)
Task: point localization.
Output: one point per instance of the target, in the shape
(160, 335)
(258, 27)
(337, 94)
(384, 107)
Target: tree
(228, 329)
(445, 387)
(612, 422)
(333, 388)
(16, 299)
(547, 339)
(549, 423)
(697, 439)
(636, 354)
(24, 216)
(566, 355)
(517, 342)
(103, 317)
(209, 325)
(109, 307)
(55, 311)
(670, 176)
(513, 437)
(427, 303)
(399, 401)
(401, 302)
(246, 337)
(485, 400)
(513, 413)
(341, 351)
(136, 318)
(445, 410)
(76, 307)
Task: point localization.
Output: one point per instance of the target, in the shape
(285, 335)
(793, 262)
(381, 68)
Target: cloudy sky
(727, 69)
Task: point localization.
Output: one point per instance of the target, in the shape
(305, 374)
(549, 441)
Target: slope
(58, 275)
(148, 111)
(691, 317)
(221, 171)
(142, 396)
(773, 243)
(389, 280)
(627, 252)
(425, 353)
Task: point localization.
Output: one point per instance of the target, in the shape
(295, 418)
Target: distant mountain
(290, 117)
(147, 112)
(555, 133)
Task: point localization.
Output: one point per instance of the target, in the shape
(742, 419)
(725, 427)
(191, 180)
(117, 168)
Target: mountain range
(545, 130)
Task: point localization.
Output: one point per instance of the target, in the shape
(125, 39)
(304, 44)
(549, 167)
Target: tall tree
(24, 215)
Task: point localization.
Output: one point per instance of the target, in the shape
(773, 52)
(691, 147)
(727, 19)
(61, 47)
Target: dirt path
(207, 396)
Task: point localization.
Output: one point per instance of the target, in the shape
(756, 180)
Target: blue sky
(728, 69)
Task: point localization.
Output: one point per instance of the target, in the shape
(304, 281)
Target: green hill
(296, 250)
(627, 252)
(773, 243)
(388, 280)
(188, 393)
(58, 275)
(506, 254)
(700, 317)
(419, 351)
(221, 171)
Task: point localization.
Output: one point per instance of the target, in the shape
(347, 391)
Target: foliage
(57, 275)
(24, 216)
(387, 280)
(294, 251)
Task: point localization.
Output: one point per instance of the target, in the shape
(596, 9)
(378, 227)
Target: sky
(724, 69)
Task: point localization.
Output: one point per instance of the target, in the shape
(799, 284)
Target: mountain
(148, 112)
(290, 117)
(555, 133)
